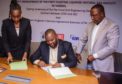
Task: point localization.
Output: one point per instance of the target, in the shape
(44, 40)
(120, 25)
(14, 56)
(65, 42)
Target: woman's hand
(24, 58)
(10, 57)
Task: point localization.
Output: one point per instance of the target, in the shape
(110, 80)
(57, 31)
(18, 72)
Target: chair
(118, 62)
(34, 47)
(2, 50)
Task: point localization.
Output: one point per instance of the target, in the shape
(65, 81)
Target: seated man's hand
(78, 56)
(41, 63)
(56, 65)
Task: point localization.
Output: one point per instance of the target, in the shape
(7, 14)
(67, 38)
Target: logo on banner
(60, 36)
(74, 37)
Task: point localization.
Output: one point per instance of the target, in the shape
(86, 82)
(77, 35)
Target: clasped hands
(90, 57)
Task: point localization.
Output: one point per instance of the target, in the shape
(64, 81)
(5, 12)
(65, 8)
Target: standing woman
(16, 34)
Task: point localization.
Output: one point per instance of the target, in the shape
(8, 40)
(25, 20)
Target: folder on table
(61, 72)
(21, 65)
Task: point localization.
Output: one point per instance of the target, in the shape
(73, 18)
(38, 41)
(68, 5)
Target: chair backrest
(2, 50)
(118, 62)
(34, 47)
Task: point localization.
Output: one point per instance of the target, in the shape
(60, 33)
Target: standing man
(55, 52)
(102, 36)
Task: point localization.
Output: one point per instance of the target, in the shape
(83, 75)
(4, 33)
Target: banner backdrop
(68, 17)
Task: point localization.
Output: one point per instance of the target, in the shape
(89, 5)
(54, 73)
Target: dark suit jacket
(12, 42)
(2, 51)
(64, 47)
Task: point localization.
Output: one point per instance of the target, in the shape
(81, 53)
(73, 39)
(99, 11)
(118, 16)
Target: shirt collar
(54, 48)
(102, 22)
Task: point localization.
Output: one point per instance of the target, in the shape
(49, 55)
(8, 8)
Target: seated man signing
(53, 51)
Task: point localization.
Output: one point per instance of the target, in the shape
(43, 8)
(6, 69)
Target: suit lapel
(90, 36)
(21, 28)
(59, 50)
(47, 54)
(13, 28)
(99, 32)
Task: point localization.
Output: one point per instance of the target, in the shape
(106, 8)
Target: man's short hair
(50, 31)
(100, 7)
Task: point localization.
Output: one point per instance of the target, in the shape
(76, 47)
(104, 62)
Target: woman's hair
(14, 6)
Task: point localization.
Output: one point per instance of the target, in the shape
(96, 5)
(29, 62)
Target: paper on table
(62, 72)
(22, 65)
(46, 68)
(18, 79)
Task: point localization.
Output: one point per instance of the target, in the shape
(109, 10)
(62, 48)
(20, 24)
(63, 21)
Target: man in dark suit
(54, 52)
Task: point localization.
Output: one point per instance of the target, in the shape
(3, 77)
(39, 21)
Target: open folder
(21, 65)
(61, 72)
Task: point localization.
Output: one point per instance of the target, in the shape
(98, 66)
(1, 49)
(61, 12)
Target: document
(61, 72)
(18, 79)
(46, 68)
(22, 65)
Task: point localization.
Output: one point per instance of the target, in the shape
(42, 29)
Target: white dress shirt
(94, 34)
(17, 31)
(53, 55)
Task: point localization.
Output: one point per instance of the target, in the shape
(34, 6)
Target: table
(40, 76)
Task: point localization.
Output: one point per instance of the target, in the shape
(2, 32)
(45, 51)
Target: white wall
(71, 31)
